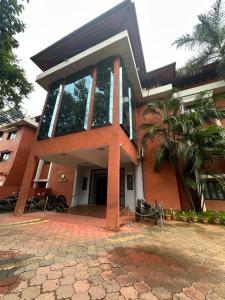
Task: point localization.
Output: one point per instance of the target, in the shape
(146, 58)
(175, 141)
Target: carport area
(104, 181)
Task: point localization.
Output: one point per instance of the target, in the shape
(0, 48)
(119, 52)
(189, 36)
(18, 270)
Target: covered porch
(98, 176)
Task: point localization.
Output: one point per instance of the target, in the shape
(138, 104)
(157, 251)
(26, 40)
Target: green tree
(14, 86)
(208, 39)
(189, 141)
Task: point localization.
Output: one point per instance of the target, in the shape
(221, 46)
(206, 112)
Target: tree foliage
(191, 141)
(14, 86)
(207, 39)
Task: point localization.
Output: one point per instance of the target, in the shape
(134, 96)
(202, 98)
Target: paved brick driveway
(48, 259)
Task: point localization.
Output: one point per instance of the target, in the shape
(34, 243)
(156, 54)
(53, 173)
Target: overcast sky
(160, 23)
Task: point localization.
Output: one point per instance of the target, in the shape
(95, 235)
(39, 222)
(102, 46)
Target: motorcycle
(47, 202)
(144, 209)
(9, 203)
(56, 202)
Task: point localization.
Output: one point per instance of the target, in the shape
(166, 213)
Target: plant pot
(174, 217)
(205, 220)
(216, 221)
(183, 218)
(168, 217)
(194, 219)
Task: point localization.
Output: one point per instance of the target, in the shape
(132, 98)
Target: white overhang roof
(118, 45)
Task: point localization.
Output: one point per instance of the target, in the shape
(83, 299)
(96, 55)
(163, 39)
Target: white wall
(81, 197)
(130, 194)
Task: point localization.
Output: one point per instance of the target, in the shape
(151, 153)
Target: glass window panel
(103, 102)
(47, 121)
(125, 102)
(74, 110)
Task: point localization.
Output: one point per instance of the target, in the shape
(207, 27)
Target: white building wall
(80, 197)
(84, 194)
(130, 195)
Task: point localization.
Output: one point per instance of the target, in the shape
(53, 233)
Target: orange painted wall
(215, 204)
(60, 187)
(44, 171)
(161, 186)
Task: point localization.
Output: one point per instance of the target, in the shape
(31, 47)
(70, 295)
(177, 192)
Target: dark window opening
(84, 183)
(4, 156)
(130, 182)
(11, 135)
(214, 191)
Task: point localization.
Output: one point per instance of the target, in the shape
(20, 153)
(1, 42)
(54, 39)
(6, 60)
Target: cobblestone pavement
(46, 259)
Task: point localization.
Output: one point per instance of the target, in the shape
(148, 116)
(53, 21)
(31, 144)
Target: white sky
(160, 23)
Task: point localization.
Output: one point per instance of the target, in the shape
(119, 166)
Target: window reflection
(47, 121)
(103, 101)
(127, 105)
(74, 110)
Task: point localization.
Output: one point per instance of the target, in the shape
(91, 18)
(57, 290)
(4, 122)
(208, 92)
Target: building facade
(97, 88)
(17, 134)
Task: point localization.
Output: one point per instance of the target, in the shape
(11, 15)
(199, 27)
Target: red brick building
(97, 87)
(17, 133)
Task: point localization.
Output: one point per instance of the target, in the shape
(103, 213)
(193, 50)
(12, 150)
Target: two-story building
(97, 87)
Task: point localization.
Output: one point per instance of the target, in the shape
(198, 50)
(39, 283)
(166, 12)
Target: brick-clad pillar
(113, 187)
(26, 185)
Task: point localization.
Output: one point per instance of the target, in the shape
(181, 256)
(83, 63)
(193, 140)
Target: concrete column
(139, 184)
(76, 187)
(26, 185)
(113, 188)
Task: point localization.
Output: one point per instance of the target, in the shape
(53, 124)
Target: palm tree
(189, 141)
(208, 39)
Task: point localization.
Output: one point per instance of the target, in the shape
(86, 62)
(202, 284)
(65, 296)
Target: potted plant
(183, 217)
(215, 217)
(194, 217)
(205, 217)
(168, 215)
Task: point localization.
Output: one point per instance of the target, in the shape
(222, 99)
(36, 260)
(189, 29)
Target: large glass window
(47, 123)
(74, 110)
(127, 105)
(103, 101)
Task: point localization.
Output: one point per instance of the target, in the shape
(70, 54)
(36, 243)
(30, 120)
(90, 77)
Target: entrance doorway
(101, 190)
(98, 187)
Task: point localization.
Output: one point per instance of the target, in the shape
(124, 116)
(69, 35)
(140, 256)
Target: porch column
(139, 181)
(26, 185)
(113, 188)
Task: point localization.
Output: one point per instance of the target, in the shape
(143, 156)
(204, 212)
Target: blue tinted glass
(74, 110)
(103, 102)
(47, 120)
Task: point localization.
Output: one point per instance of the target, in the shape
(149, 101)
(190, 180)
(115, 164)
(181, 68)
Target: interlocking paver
(66, 260)
(64, 292)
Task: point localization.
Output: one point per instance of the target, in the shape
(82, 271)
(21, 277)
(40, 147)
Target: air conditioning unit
(140, 153)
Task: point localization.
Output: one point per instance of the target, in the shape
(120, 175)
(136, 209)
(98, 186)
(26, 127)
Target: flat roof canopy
(118, 45)
(119, 18)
